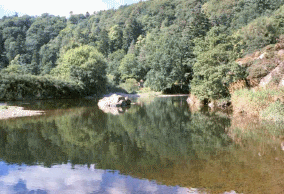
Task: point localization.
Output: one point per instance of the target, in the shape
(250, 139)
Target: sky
(58, 7)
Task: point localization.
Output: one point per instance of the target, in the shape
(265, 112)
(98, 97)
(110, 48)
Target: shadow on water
(161, 141)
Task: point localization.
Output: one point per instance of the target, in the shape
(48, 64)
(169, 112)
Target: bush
(253, 102)
(274, 111)
(145, 90)
(130, 85)
(20, 87)
(259, 33)
(84, 65)
(262, 31)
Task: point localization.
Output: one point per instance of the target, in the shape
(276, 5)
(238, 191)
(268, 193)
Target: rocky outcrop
(280, 53)
(281, 83)
(114, 101)
(273, 76)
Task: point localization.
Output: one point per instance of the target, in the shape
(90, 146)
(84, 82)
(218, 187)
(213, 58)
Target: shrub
(20, 87)
(253, 102)
(274, 111)
(259, 33)
(240, 84)
(84, 65)
(145, 90)
(130, 85)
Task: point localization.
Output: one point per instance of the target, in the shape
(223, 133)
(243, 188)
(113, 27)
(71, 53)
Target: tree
(115, 36)
(168, 58)
(131, 32)
(16, 66)
(85, 65)
(103, 42)
(48, 55)
(215, 68)
(114, 60)
(128, 67)
(44, 29)
(75, 19)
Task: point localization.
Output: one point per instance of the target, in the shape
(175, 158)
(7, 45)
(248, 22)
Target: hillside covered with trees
(193, 43)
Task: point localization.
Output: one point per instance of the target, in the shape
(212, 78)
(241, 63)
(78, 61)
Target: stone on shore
(114, 101)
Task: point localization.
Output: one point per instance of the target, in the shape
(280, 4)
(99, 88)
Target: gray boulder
(114, 101)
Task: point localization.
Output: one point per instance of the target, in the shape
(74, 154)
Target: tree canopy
(83, 64)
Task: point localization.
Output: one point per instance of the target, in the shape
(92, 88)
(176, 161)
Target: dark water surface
(156, 147)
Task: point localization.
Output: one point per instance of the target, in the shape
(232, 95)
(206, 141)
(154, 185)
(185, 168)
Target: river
(160, 146)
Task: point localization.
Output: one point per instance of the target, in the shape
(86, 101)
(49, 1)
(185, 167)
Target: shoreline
(9, 112)
(144, 95)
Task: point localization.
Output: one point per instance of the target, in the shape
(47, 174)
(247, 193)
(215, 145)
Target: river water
(160, 146)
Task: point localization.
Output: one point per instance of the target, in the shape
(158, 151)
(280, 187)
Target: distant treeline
(163, 42)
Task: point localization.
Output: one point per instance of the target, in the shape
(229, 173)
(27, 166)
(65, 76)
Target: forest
(193, 44)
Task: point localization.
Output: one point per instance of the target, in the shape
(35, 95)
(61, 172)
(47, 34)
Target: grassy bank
(267, 103)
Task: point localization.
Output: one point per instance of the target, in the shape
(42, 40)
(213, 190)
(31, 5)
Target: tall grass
(255, 101)
(274, 111)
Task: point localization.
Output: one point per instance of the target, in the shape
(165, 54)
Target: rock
(281, 83)
(114, 101)
(194, 101)
(279, 46)
(262, 56)
(257, 54)
(115, 104)
(280, 53)
(127, 101)
(219, 104)
(231, 192)
(212, 104)
(282, 146)
(277, 72)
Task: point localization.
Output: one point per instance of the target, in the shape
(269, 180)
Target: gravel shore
(7, 112)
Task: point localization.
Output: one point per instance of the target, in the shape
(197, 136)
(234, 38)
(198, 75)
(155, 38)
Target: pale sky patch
(58, 7)
(54, 7)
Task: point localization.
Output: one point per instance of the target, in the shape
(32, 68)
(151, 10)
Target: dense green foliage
(85, 65)
(163, 42)
(215, 68)
(19, 87)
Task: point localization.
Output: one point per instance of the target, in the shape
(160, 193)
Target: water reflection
(77, 179)
(161, 141)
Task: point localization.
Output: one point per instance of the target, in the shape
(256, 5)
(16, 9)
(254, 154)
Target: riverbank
(266, 103)
(8, 112)
(145, 95)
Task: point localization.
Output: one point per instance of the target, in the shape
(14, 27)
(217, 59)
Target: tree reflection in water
(161, 141)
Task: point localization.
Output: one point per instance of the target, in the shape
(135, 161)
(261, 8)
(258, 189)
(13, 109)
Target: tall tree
(86, 66)
(215, 66)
